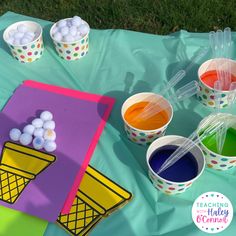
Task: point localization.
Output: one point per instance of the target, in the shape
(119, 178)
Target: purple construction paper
(76, 123)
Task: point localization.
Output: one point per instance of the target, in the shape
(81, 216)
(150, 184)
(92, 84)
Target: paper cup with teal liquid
(225, 160)
(180, 176)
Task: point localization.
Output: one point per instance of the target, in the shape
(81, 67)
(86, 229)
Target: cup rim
(216, 154)
(68, 42)
(166, 180)
(209, 61)
(145, 130)
(21, 22)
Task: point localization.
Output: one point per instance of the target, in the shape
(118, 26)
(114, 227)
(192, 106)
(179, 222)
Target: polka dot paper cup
(71, 50)
(218, 161)
(28, 52)
(206, 94)
(144, 137)
(164, 185)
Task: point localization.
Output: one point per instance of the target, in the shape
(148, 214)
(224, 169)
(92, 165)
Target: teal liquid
(229, 148)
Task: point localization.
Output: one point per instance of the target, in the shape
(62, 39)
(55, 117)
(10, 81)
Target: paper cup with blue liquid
(180, 176)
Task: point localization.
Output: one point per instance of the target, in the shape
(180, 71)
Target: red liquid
(210, 77)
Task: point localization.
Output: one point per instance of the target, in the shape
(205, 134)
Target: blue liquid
(183, 170)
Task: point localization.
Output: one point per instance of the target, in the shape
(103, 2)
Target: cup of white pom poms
(71, 38)
(25, 40)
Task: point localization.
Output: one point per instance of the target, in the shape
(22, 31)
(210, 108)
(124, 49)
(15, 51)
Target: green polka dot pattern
(73, 51)
(217, 161)
(29, 52)
(143, 138)
(169, 188)
(207, 96)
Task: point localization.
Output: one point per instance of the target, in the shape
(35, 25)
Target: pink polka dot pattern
(207, 96)
(29, 52)
(73, 51)
(217, 161)
(143, 137)
(169, 188)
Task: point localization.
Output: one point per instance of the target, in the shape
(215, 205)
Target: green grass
(157, 16)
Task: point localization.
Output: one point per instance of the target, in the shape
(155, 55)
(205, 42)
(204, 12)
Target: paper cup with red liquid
(145, 131)
(227, 158)
(207, 74)
(180, 176)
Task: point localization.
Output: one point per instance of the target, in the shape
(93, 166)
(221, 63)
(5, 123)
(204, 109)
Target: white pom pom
(38, 143)
(16, 42)
(10, 40)
(49, 134)
(73, 30)
(83, 29)
(15, 134)
(39, 132)
(78, 37)
(69, 23)
(64, 30)
(50, 146)
(68, 38)
(25, 139)
(29, 34)
(76, 21)
(29, 129)
(57, 36)
(50, 124)
(18, 35)
(22, 28)
(12, 32)
(61, 23)
(37, 123)
(25, 40)
(55, 29)
(46, 115)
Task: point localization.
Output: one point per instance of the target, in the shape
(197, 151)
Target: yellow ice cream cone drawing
(96, 198)
(82, 217)
(19, 165)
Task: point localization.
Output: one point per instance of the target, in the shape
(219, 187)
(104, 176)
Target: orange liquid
(210, 77)
(156, 121)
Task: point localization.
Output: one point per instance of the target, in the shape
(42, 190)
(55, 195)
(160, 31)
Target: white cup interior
(175, 140)
(54, 25)
(31, 26)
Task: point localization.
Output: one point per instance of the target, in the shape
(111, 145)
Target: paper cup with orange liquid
(145, 131)
(19, 165)
(207, 74)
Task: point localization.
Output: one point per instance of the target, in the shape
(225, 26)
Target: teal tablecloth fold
(121, 63)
